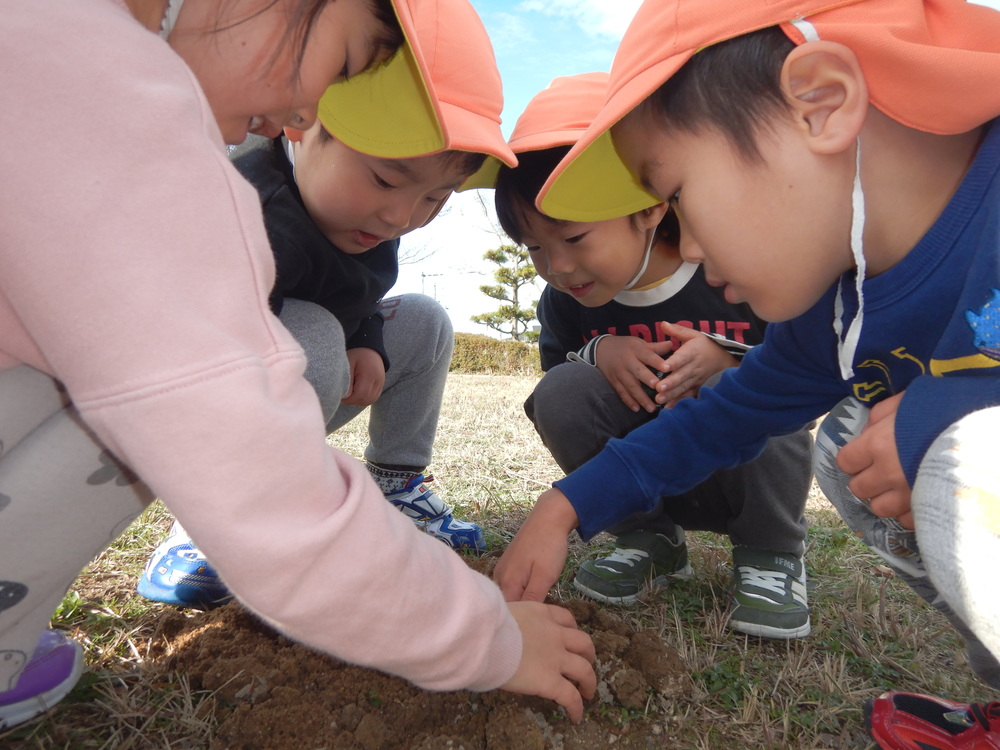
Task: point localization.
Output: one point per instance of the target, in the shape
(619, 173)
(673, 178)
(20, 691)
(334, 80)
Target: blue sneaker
(178, 573)
(431, 514)
(51, 672)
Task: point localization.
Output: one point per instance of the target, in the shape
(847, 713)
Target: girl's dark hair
(733, 87)
(517, 188)
(302, 18)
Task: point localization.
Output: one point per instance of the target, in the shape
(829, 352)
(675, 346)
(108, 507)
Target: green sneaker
(770, 599)
(641, 562)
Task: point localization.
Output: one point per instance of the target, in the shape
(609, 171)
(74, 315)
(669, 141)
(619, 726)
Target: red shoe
(908, 721)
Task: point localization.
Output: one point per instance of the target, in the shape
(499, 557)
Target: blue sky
(534, 41)
(537, 40)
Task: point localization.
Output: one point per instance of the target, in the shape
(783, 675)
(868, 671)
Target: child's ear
(293, 135)
(826, 89)
(648, 218)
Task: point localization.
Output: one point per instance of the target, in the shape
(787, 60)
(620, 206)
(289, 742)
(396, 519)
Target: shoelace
(770, 580)
(626, 556)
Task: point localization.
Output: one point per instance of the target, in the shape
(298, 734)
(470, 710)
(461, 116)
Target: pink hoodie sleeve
(136, 270)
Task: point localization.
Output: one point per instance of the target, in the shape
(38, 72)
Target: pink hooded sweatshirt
(134, 268)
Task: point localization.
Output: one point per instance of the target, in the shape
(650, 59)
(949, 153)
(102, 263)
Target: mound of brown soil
(273, 693)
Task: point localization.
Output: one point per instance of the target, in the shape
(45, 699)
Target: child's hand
(534, 559)
(873, 463)
(625, 362)
(367, 377)
(557, 657)
(693, 362)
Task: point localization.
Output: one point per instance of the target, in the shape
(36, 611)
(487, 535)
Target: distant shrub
(484, 355)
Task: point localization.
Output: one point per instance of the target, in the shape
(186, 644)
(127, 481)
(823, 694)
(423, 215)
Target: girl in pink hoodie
(136, 341)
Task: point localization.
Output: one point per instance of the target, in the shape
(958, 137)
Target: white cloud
(509, 32)
(451, 267)
(596, 18)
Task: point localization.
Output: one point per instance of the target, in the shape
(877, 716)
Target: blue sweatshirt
(931, 329)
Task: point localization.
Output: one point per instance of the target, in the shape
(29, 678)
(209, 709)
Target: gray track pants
(418, 340)
(952, 558)
(760, 504)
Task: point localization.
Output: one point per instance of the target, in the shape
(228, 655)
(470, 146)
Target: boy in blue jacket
(838, 168)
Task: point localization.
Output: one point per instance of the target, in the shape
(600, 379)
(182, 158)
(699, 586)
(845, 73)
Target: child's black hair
(733, 87)
(517, 188)
(466, 162)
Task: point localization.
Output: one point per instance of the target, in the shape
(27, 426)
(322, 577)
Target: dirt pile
(273, 693)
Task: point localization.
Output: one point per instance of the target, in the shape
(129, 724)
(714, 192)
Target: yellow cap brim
(485, 178)
(591, 183)
(595, 186)
(403, 122)
(929, 64)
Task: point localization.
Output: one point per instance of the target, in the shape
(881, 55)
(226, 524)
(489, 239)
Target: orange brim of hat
(419, 103)
(932, 65)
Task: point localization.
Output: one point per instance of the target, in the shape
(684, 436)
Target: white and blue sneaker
(431, 514)
(178, 573)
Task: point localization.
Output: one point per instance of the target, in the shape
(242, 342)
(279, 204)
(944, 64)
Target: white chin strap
(848, 345)
(645, 261)
(170, 14)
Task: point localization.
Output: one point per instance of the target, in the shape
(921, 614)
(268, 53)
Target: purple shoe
(51, 673)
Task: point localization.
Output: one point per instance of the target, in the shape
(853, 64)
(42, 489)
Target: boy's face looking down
(591, 261)
(359, 201)
(772, 227)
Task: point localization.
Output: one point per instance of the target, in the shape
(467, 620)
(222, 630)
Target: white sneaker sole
(657, 583)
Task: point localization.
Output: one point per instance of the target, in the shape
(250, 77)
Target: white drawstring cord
(847, 345)
(645, 261)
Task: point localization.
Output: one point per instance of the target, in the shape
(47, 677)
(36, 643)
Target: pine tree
(514, 272)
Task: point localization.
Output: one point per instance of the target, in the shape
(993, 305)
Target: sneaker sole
(18, 713)
(149, 590)
(656, 584)
(769, 631)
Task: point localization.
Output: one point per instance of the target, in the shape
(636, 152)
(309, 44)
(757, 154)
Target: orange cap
(441, 91)
(560, 113)
(932, 65)
(556, 116)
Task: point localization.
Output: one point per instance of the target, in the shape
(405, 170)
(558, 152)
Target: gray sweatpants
(951, 558)
(760, 504)
(63, 499)
(418, 340)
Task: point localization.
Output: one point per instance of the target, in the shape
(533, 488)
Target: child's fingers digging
(579, 667)
(579, 683)
(570, 699)
(556, 657)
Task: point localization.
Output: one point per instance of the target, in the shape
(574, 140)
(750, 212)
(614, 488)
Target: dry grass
(870, 632)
